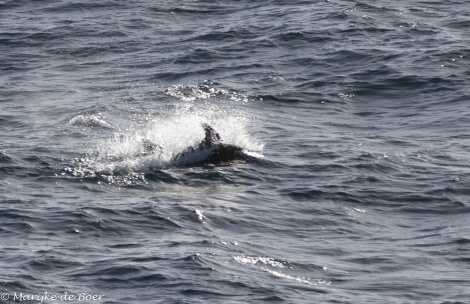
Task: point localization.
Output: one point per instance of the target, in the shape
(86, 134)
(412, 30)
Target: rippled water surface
(357, 115)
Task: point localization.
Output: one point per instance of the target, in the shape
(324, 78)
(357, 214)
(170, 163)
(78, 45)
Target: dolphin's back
(211, 150)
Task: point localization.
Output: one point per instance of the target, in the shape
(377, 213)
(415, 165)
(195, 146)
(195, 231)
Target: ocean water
(358, 114)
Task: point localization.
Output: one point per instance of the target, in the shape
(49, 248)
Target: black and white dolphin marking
(211, 150)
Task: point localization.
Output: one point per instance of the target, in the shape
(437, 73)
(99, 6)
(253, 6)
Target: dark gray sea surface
(356, 116)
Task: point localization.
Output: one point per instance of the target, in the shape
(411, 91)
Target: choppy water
(361, 111)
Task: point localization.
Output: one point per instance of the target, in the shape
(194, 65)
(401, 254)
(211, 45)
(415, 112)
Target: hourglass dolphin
(211, 150)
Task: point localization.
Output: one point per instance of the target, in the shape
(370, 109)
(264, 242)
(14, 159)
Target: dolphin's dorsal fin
(212, 137)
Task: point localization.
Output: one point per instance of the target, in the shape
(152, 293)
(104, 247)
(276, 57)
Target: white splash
(169, 133)
(90, 120)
